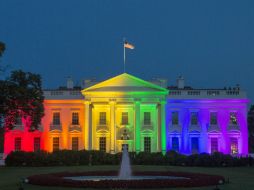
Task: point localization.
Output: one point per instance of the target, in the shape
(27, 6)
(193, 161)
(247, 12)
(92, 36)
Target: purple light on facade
(223, 133)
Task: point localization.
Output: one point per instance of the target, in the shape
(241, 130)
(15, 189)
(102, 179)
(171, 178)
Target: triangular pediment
(125, 83)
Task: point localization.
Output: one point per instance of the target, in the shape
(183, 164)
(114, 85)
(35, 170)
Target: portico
(125, 110)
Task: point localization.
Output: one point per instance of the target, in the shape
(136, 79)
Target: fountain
(125, 169)
(124, 173)
(125, 178)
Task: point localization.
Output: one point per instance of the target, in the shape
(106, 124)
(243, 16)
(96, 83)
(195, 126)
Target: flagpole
(123, 56)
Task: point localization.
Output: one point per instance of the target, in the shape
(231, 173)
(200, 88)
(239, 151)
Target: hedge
(83, 157)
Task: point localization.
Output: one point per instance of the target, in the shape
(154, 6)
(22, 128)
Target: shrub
(83, 157)
(174, 158)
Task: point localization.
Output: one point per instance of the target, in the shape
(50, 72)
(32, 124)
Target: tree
(21, 95)
(251, 128)
(2, 48)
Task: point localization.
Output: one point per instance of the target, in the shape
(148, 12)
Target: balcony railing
(54, 127)
(203, 93)
(62, 94)
(74, 127)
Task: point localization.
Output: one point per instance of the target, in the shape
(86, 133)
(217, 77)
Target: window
(125, 145)
(56, 118)
(125, 118)
(75, 118)
(214, 145)
(37, 144)
(213, 118)
(55, 144)
(175, 144)
(102, 144)
(18, 121)
(17, 145)
(147, 144)
(102, 118)
(175, 118)
(74, 143)
(147, 118)
(233, 119)
(194, 145)
(194, 118)
(234, 145)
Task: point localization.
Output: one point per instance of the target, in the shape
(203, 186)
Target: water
(99, 178)
(125, 170)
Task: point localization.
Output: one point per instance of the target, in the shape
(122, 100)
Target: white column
(163, 133)
(158, 128)
(112, 127)
(137, 126)
(87, 125)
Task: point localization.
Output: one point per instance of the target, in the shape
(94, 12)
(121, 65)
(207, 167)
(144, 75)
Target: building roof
(125, 83)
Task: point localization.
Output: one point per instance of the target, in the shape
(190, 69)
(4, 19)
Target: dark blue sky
(210, 43)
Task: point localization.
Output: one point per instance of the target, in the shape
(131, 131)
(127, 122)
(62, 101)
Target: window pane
(175, 144)
(194, 118)
(75, 118)
(213, 118)
(55, 143)
(102, 144)
(233, 119)
(17, 145)
(234, 145)
(56, 118)
(147, 118)
(214, 145)
(75, 143)
(194, 145)
(125, 118)
(102, 118)
(147, 144)
(37, 143)
(175, 118)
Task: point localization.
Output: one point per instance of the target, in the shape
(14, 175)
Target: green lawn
(240, 178)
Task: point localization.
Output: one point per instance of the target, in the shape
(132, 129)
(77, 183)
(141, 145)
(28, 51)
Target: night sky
(210, 43)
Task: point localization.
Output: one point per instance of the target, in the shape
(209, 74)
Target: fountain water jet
(125, 169)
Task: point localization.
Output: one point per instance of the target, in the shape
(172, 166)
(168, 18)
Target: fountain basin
(108, 179)
(99, 178)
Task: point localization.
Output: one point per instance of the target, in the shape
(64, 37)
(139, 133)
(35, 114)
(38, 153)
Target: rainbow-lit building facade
(147, 116)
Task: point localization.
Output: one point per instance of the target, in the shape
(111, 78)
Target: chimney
(180, 82)
(70, 83)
